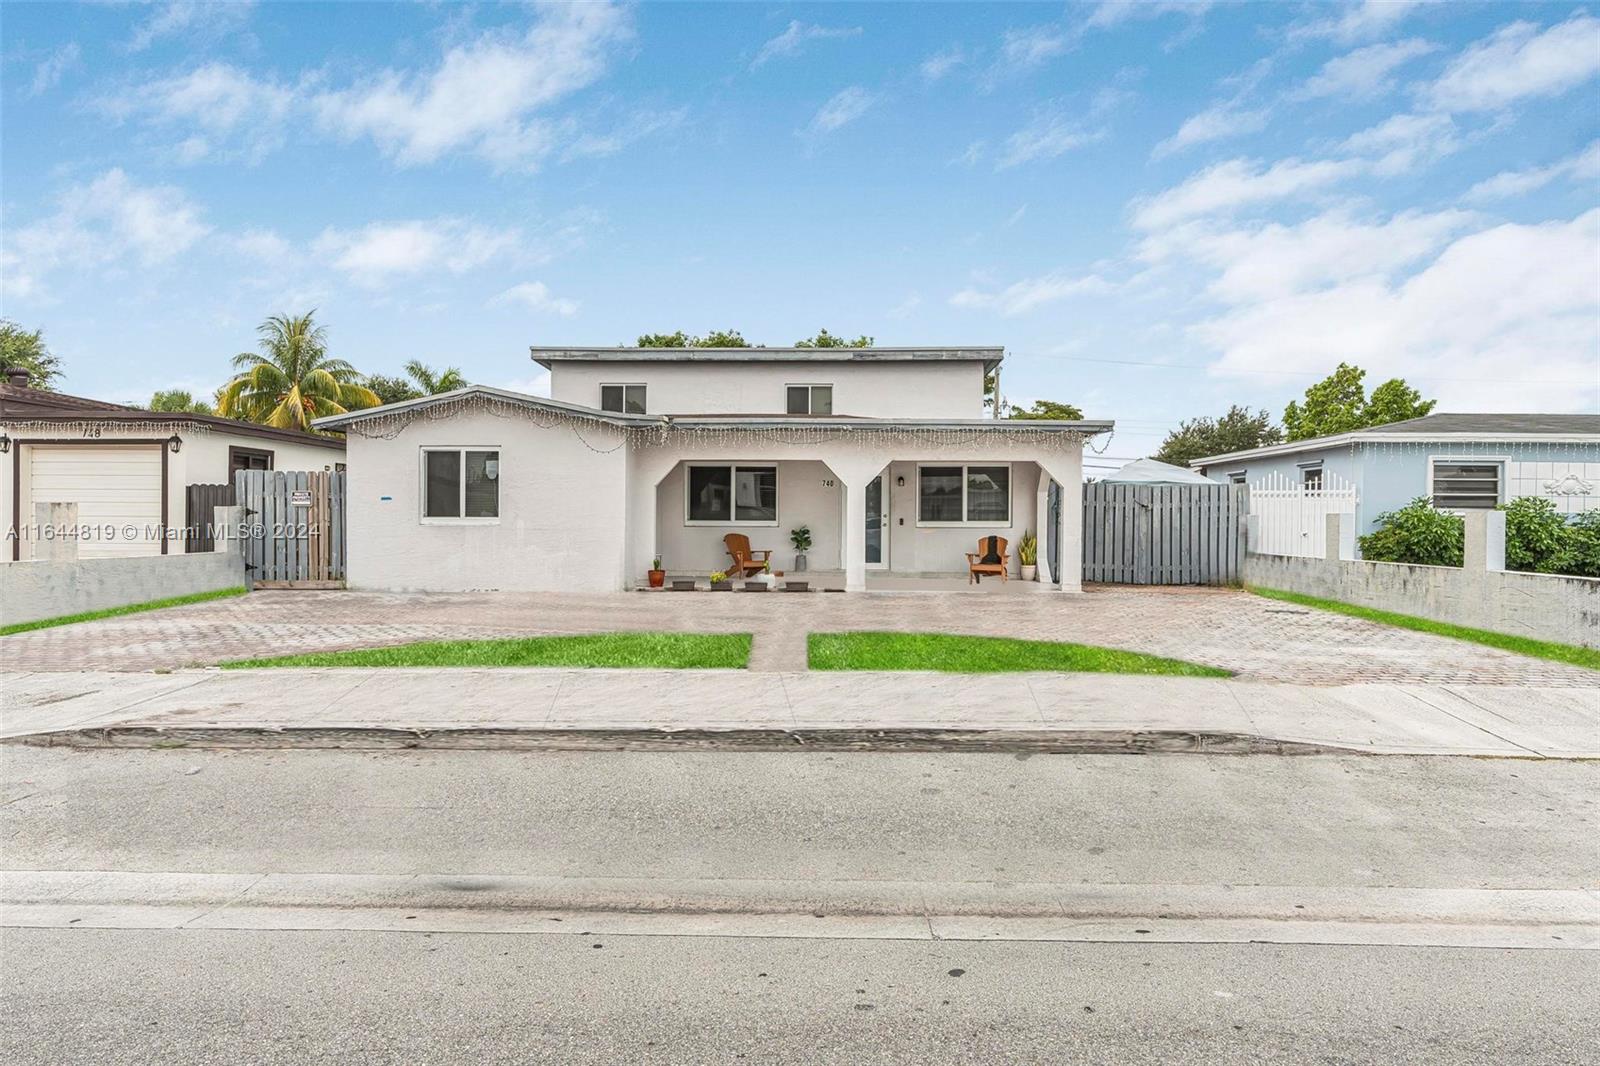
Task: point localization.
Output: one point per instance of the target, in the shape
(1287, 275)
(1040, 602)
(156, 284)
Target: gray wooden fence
(1163, 534)
(294, 527)
(200, 508)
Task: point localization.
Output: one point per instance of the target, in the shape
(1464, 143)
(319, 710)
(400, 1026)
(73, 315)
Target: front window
(248, 459)
(460, 483)
(964, 495)
(624, 399)
(810, 399)
(732, 495)
(1464, 486)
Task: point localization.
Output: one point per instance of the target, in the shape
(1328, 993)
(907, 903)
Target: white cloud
(221, 100)
(1271, 260)
(942, 63)
(1402, 142)
(208, 18)
(1365, 72)
(48, 74)
(1509, 301)
(538, 385)
(262, 245)
(842, 108)
(1519, 61)
(1053, 132)
(905, 307)
(1213, 124)
(1031, 293)
(110, 219)
(796, 36)
(484, 96)
(1585, 166)
(1358, 22)
(536, 296)
(636, 127)
(1238, 183)
(379, 251)
(1111, 13)
(1032, 46)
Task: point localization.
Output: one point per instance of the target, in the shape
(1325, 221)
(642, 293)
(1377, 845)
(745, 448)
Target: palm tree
(292, 380)
(432, 382)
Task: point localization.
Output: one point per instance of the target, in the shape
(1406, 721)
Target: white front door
(877, 525)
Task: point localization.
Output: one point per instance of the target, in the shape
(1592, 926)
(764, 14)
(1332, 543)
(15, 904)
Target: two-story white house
(638, 453)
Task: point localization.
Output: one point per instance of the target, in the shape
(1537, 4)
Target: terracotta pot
(657, 578)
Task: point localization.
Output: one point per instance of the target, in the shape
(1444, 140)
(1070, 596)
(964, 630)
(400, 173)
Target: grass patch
(114, 612)
(654, 651)
(984, 655)
(1539, 649)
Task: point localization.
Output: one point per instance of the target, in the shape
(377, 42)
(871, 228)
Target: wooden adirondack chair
(976, 567)
(745, 561)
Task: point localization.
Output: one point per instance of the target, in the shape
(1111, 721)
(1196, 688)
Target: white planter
(1028, 572)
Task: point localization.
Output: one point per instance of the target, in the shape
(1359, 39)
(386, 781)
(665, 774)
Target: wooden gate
(1163, 534)
(199, 515)
(293, 527)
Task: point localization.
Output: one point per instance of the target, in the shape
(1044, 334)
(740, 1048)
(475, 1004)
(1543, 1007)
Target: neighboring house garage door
(114, 488)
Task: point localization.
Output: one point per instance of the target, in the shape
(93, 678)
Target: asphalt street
(286, 994)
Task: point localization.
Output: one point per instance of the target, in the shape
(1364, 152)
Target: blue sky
(1159, 209)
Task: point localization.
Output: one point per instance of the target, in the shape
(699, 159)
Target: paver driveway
(1260, 639)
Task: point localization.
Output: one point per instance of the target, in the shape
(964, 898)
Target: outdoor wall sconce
(900, 481)
(5, 444)
(175, 443)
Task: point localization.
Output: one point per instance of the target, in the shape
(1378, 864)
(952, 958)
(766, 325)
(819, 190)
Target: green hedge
(1539, 539)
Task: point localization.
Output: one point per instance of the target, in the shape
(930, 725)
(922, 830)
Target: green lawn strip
(1539, 649)
(983, 655)
(114, 612)
(653, 651)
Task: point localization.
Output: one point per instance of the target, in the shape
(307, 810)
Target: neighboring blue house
(1461, 460)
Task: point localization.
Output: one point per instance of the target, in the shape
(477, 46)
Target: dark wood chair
(976, 567)
(745, 561)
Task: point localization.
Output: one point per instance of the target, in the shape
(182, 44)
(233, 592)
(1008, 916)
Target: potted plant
(801, 539)
(1028, 555)
(720, 582)
(762, 582)
(658, 576)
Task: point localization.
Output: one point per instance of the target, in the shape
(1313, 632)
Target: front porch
(876, 523)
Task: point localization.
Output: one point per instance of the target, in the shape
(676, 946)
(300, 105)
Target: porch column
(855, 534)
(1041, 515)
(1067, 468)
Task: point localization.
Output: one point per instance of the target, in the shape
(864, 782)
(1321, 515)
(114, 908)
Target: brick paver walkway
(1260, 639)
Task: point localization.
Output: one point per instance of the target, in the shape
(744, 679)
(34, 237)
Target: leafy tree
(179, 401)
(1045, 410)
(1416, 533)
(292, 379)
(431, 381)
(392, 389)
(717, 338)
(1582, 556)
(1339, 404)
(824, 339)
(1236, 431)
(21, 348)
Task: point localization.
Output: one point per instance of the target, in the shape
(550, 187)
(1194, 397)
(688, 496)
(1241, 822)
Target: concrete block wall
(1481, 594)
(34, 589)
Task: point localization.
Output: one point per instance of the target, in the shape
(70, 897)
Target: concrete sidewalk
(1480, 720)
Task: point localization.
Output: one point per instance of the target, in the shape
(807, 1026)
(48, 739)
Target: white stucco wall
(917, 549)
(563, 510)
(904, 389)
(202, 459)
(805, 497)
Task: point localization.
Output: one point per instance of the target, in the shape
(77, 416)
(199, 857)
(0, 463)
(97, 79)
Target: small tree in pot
(658, 576)
(801, 539)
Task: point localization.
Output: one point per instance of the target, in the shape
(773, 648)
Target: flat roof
(989, 355)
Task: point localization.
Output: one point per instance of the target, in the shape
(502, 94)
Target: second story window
(810, 400)
(624, 399)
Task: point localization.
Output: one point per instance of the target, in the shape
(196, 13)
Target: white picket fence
(1291, 519)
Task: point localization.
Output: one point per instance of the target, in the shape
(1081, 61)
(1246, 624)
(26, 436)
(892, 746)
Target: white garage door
(117, 490)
